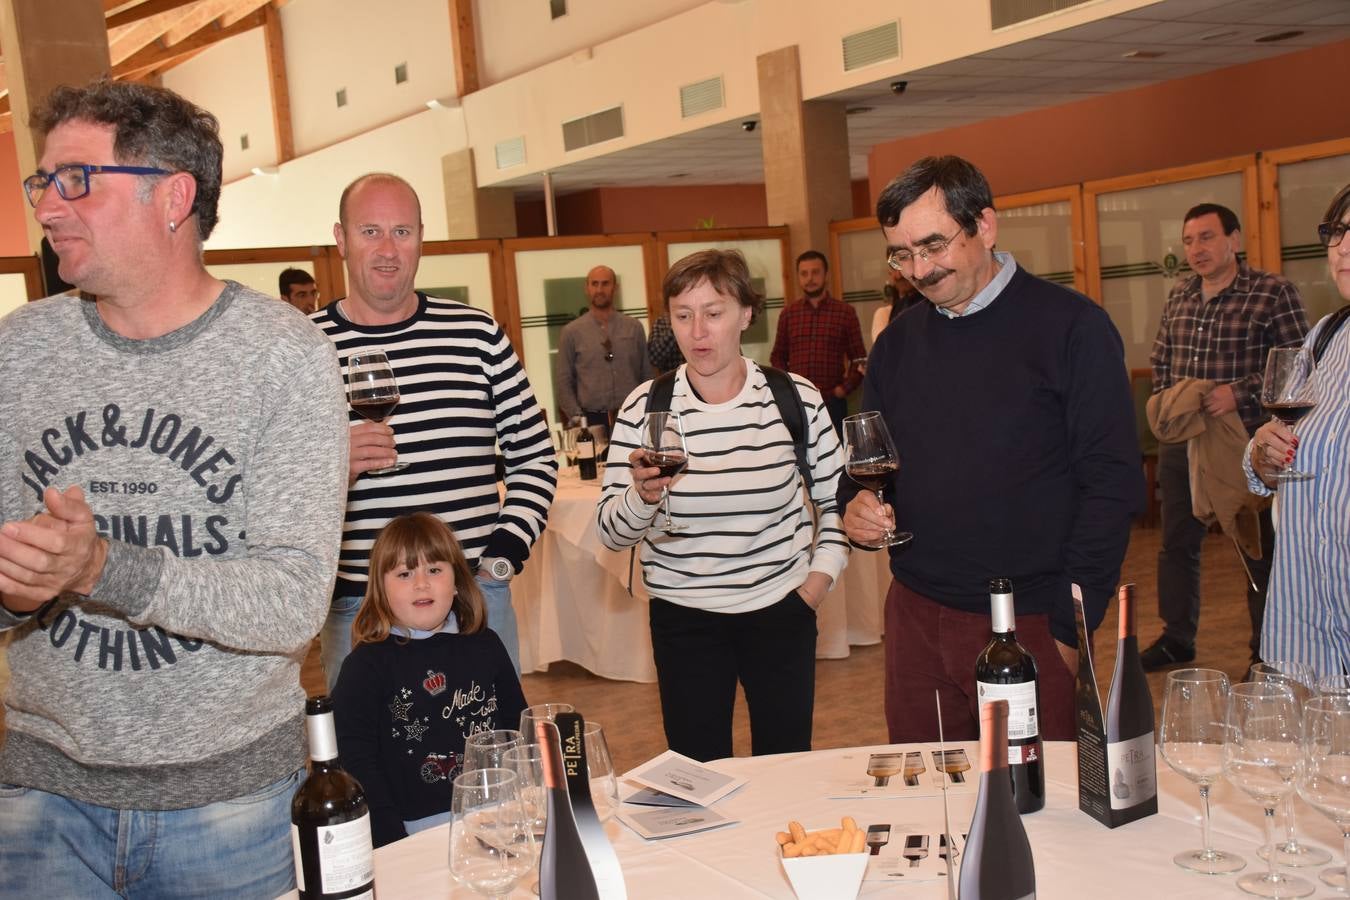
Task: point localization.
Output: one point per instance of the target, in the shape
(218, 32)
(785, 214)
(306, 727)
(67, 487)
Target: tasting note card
(682, 777)
(654, 824)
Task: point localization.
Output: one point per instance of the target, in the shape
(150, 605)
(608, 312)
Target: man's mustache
(931, 278)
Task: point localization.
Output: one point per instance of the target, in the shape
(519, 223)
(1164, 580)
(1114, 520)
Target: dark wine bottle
(564, 871)
(330, 822)
(1130, 751)
(1006, 671)
(586, 454)
(996, 863)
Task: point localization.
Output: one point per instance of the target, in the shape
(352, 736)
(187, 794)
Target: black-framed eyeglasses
(72, 181)
(609, 350)
(1332, 233)
(900, 259)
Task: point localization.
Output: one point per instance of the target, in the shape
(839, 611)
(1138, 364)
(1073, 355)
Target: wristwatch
(499, 567)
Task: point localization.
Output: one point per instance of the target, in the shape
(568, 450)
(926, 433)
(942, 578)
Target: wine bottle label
(1021, 699)
(585, 449)
(346, 855)
(1131, 771)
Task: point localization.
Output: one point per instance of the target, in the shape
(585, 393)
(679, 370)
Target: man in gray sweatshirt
(173, 458)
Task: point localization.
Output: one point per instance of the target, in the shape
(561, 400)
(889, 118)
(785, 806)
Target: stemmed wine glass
(870, 459)
(539, 712)
(1289, 392)
(1263, 758)
(1325, 781)
(491, 840)
(663, 443)
(1299, 679)
(527, 761)
(600, 770)
(1191, 740)
(373, 393)
(487, 749)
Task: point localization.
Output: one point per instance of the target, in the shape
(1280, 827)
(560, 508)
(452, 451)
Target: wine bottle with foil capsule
(330, 821)
(1130, 752)
(1005, 670)
(996, 862)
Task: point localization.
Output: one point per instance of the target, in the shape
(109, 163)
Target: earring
(173, 226)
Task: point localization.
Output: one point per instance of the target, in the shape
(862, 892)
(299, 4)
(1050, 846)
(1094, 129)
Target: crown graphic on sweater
(434, 682)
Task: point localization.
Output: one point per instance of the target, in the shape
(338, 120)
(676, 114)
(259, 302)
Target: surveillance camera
(749, 125)
(898, 87)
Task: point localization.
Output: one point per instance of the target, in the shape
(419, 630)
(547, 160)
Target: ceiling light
(448, 102)
(680, 175)
(858, 110)
(1218, 35)
(266, 170)
(1142, 54)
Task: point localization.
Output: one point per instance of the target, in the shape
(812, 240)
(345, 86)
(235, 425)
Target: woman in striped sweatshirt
(734, 594)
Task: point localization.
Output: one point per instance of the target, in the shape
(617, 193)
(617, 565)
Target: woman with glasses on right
(1308, 602)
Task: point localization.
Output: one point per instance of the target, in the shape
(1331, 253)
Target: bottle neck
(1001, 613)
(322, 738)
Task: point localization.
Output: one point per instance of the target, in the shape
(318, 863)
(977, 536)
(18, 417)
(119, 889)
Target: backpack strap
(793, 412)
(1334, 323)
(662, 389)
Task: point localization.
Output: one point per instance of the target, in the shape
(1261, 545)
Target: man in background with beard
(819, 338)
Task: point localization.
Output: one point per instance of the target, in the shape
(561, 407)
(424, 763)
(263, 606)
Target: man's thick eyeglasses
(901, 259)
(72, 181)
(1332, 233)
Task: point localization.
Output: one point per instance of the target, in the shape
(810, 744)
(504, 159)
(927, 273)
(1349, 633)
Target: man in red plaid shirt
(1218, 325)
(820, 339)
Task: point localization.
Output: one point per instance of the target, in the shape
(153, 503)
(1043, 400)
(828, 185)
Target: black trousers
(700, 655)
(837, 407)
(1179, 559)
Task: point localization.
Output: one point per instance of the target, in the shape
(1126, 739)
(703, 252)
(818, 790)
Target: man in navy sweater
(1010, 406)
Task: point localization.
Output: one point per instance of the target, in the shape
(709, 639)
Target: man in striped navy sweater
(464, 395)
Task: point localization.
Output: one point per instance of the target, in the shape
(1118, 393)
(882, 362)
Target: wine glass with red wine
(870, 459)
(1289, 392)
(373, 392)
(663, 443)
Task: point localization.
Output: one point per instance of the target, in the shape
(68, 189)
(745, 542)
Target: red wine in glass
(873, 475)
(1289, 392)
(670, 464)
(373, 393)
(1290, 413)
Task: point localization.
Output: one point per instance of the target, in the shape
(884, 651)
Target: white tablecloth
(1075, 856)
(572, 599)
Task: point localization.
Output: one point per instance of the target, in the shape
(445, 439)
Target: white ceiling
(1193, 36)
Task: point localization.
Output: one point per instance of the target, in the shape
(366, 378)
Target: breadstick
(798, 832)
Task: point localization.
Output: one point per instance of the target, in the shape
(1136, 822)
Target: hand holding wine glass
(1289, 392)
(664, 448)
(373, 394)
(870, 459)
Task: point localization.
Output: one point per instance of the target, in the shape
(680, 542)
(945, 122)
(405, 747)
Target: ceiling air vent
(593, 129)
(701, 96)
(871, 46)
(510, 152)
(1003, 13)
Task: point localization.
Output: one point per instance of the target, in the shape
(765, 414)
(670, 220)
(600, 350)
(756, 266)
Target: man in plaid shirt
(1218, 325)
(819, 338)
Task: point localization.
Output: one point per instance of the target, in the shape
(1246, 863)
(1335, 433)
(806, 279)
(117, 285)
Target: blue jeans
(52, 846)
(335, 640)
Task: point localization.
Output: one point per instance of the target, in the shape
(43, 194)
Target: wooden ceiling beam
(158, 56)
(464, 46)
(279, 83)
(145, 10)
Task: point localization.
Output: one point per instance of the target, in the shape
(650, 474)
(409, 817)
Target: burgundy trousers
(930, 647)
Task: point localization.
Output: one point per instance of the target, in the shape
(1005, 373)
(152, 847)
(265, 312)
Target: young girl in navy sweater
(424, 674)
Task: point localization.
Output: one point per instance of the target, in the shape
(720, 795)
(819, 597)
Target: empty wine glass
(1337, 685)
(600, 770)
(870, 459)
(486, 749)
(491, 841)
(1289, 392)
(663, 444)
(1324, 783)
(527, 761)
(1263, 757)
(539, 712)
(1191, 740)
(1299, 679)
(373, 393)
